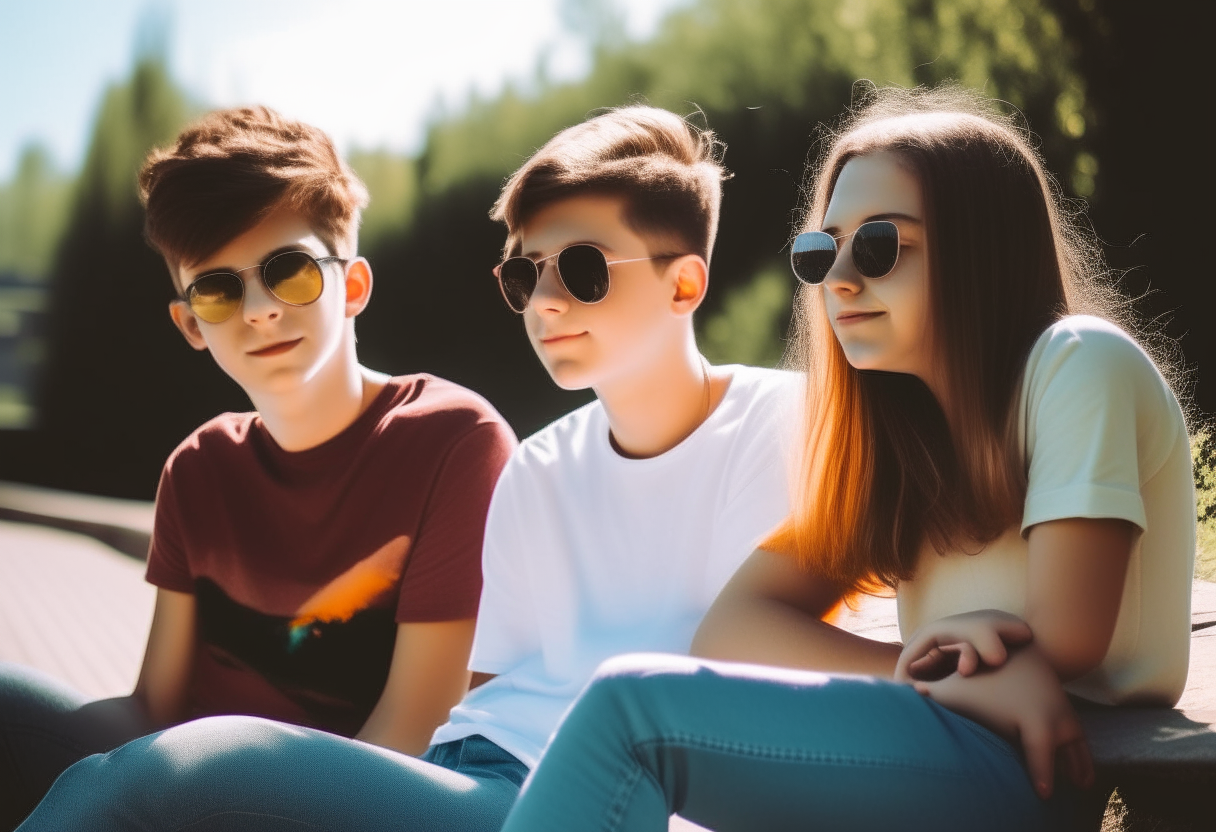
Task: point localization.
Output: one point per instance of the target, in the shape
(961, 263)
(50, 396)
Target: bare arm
(770, 613)
(1077, 570)
(428, 675)
(165, 673)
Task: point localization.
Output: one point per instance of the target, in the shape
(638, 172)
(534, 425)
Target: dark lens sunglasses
(582, 269)
(293, 277)
(875, 250)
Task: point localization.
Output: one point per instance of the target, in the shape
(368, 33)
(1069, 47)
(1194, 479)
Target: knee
(637, 686)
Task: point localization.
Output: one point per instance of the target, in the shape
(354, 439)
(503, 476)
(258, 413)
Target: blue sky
(369, 72)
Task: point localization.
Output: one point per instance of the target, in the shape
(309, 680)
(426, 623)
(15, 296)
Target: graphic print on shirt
(332, 656)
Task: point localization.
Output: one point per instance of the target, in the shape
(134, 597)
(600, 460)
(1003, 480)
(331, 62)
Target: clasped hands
(984, 666)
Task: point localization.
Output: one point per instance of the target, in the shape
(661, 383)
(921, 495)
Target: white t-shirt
(589, 554)
(1103, 437)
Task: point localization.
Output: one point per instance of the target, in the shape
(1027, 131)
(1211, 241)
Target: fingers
(1077, 763)
(1039, 748)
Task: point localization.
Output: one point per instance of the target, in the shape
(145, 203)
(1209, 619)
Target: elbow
(1072, 654)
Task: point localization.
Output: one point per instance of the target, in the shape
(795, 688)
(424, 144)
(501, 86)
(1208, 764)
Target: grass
(1203, 459)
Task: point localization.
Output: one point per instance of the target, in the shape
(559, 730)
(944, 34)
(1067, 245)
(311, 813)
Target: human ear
(358, 286)
(691, 283)
(186, 324)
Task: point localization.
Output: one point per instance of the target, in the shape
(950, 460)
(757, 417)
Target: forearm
(766, 631)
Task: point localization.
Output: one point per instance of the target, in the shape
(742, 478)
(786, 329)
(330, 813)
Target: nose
(550, 296)
(259, 305)
(843, 278)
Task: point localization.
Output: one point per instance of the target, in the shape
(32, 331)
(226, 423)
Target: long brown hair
(886, 468)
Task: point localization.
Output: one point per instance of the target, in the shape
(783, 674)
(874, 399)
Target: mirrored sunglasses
(582, 270)
(875, 250)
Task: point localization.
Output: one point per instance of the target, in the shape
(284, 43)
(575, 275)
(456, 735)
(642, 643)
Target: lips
(275, 349)
(856, 317)
(558, 339)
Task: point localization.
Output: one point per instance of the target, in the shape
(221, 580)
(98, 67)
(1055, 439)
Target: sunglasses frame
(189, 291)
(539, 269)
(852, 251)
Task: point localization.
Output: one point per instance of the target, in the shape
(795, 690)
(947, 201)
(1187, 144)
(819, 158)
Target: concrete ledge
(125, 525)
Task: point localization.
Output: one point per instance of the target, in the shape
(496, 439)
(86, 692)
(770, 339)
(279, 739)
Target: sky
(369, 72)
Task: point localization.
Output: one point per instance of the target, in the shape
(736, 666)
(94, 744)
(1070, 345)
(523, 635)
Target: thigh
(233, 773)
(740, 747)
(45, 726)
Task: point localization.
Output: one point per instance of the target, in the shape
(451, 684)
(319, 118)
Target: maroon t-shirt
(302, 563)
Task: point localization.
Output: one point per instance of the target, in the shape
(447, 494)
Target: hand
(1022, 701)
(961, 644)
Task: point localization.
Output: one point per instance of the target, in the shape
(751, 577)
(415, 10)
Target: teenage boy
(317, 560)
(610, 531)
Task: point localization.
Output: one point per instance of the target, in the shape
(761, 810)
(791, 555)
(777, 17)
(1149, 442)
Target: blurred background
(435, 104)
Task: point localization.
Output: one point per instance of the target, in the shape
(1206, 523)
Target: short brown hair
(226, 172)
(667, 172)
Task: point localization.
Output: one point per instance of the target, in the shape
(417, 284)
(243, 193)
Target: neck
(323, 406)
(654, 409)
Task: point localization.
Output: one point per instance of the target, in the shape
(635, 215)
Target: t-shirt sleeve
(168, 565)
(1096, 424)
(507, 627)
(442, 579)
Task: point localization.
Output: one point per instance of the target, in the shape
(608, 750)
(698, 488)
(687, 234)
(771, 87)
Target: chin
(569, 376)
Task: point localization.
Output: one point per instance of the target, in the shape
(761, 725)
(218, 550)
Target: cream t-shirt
(1103, 437)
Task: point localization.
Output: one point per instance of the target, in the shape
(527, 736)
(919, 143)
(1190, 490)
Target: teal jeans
(232, 773)
(741, 747)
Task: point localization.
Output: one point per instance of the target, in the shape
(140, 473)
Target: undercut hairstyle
(667, 172)
(885, 468)
(228, 171)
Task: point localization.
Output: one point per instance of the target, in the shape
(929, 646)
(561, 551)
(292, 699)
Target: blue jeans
(239, 772)
(45, 726)
(742, 747)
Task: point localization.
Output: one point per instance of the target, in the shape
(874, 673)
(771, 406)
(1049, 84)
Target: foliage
(33, 213)
(1203, 461)
(763, 72)
(748, 329)
(392, 184)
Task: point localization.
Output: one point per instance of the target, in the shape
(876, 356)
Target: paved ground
(73, 607)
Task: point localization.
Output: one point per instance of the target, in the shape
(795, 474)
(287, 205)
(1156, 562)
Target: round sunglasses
(292, 277)
(875, 250)
(582, 269)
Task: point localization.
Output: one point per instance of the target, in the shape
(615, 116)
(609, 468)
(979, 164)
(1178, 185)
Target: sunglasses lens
(214, 297)
(812, 256)
(876, 248)
(294, 278)
(517, 276)
(584, 271)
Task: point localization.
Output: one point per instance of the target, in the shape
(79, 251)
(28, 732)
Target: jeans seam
(792, 755)
(616, 809)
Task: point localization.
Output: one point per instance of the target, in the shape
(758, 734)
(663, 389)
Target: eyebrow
(607, 249)
(890, 215)
(281, 250)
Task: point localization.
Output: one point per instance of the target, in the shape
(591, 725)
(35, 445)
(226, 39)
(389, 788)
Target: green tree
(33, 212)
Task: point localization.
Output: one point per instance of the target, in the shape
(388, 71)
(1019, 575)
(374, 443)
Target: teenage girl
(1015, 469)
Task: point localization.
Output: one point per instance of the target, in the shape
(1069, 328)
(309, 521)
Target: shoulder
(216, 438)
(434, 401)
(1086, 344)
(560, 446)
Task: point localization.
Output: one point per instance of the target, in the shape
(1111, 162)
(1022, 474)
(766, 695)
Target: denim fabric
(237, 773)
(742, 747)
(45, 726)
